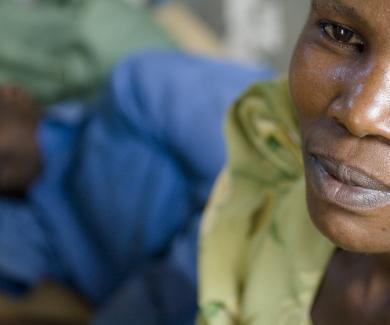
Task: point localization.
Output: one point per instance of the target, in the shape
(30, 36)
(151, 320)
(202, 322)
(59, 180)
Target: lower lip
(346, 196)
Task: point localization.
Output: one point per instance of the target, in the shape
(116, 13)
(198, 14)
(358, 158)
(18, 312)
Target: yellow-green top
(261, 259)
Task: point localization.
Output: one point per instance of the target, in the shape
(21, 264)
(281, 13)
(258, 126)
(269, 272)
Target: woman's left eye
(342, 35)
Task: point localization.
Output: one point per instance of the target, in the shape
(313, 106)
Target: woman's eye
(342, 35)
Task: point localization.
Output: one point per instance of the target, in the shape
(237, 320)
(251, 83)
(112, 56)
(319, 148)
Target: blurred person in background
(102, 196)
(108, 193)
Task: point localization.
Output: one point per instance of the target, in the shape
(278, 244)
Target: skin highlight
(340, 83)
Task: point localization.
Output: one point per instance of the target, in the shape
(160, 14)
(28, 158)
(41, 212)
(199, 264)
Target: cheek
(315, 76)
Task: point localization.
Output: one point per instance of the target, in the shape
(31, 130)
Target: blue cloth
(115, 214)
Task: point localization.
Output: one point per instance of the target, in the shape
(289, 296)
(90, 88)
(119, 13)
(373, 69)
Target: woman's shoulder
(263, 135)
(264, 156)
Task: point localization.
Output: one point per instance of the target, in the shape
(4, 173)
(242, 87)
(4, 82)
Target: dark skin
(48, 304)
(340, 83)
(20, 157)
(20, 166)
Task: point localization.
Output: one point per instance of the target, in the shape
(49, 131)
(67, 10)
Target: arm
(24, 260)
(47, 304)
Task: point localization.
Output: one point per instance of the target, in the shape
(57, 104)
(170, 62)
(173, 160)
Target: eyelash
(323, 25)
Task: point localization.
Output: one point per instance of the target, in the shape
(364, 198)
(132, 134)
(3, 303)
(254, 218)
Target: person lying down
(101, 200)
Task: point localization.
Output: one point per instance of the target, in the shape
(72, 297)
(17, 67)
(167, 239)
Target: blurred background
(111, 138)
(91, 36)
(252, 31)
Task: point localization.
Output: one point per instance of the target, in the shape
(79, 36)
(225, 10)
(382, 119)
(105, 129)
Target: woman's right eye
(342, 35)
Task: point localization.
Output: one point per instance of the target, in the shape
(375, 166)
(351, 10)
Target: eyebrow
(340, 8)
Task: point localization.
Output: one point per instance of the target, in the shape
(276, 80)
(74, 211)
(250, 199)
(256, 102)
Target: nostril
(347, 127)
(339, 124)
(351, 120)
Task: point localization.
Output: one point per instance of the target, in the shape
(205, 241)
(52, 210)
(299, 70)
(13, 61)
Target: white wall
(256, 30)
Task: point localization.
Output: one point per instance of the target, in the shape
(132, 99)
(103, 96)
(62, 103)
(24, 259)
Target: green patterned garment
(66, 48)
(261, 259)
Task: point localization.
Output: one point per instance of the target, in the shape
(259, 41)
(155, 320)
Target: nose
(363, 106)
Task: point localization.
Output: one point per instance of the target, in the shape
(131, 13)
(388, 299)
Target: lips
(345, 186)
(350, 175)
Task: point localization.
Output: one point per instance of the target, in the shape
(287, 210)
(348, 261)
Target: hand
(49, 304)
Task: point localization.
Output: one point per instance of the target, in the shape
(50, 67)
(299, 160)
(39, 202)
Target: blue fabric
(115, 214)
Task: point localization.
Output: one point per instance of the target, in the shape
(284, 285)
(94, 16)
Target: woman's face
(340, 83)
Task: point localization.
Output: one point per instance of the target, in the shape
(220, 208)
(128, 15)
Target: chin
(351, 232)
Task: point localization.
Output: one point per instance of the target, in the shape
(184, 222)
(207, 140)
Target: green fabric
(261, 259)
(66, 48)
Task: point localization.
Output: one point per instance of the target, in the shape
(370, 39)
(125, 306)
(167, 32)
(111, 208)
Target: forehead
(367, 9)
(369, 12)
(356, 4)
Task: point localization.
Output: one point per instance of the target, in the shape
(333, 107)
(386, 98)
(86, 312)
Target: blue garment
(115, 214)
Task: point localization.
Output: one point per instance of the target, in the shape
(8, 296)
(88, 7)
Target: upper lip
(350, 175)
